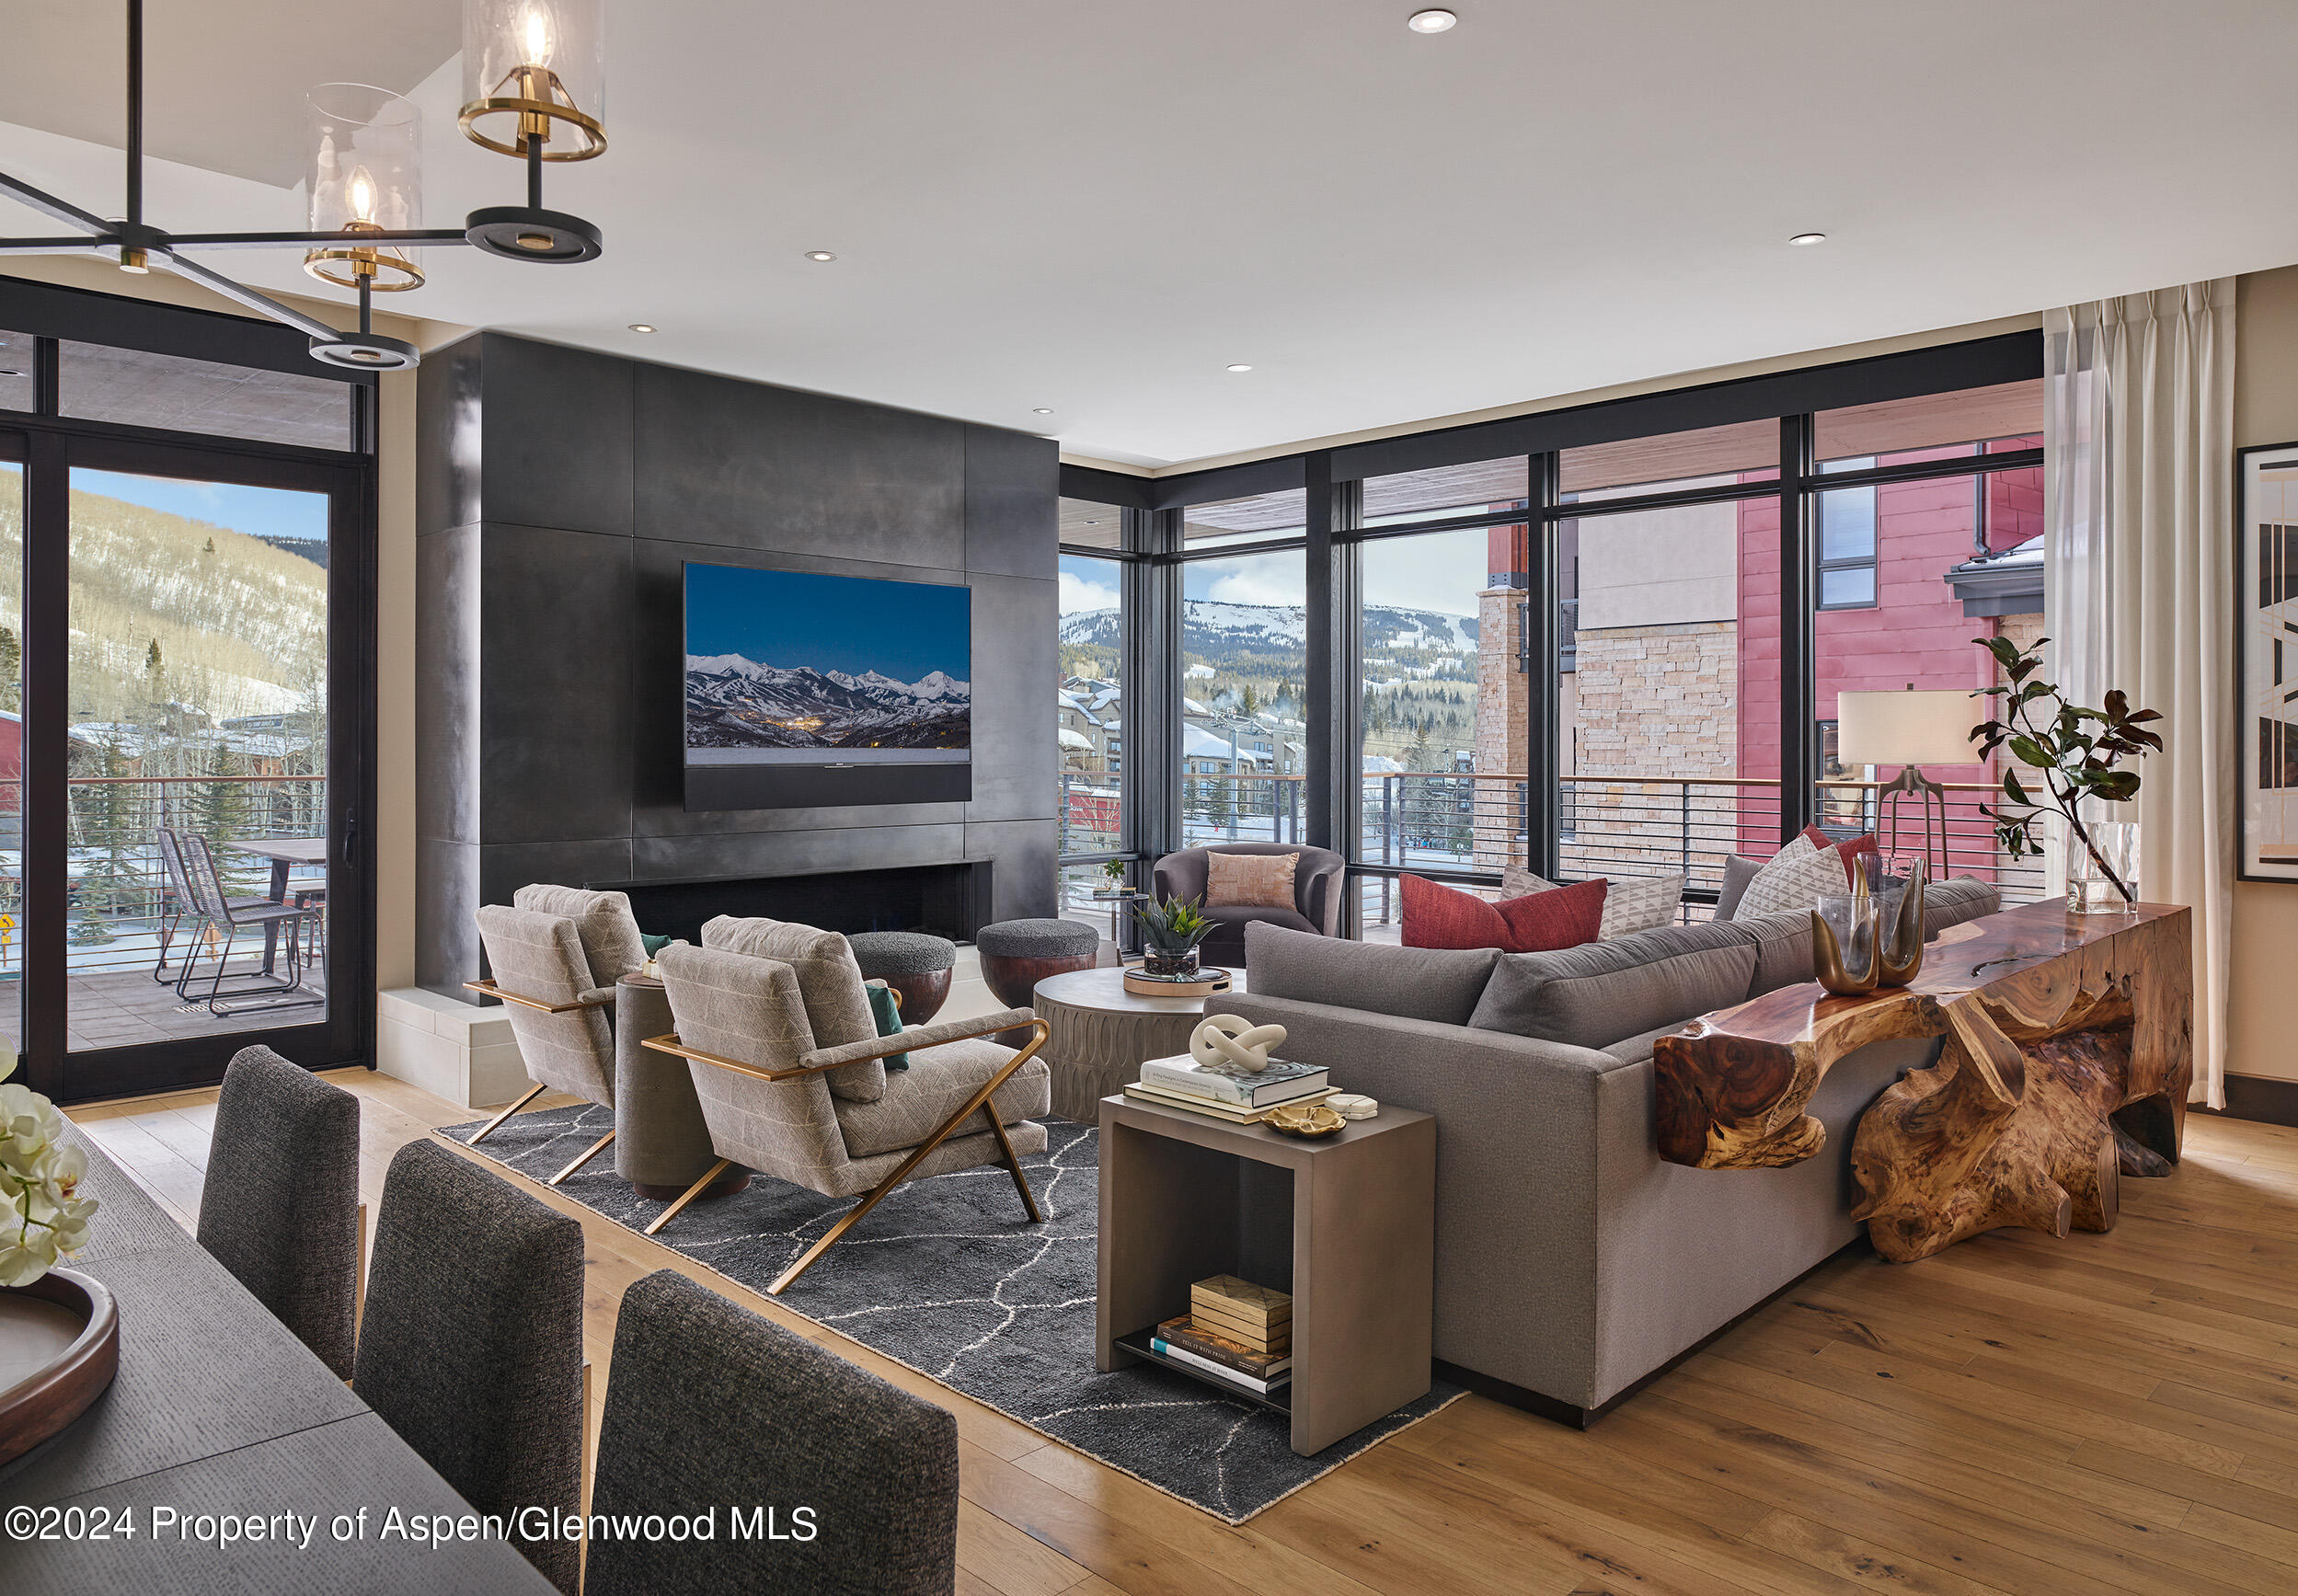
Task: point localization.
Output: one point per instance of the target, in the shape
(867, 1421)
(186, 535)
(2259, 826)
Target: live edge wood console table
(2067, 1056)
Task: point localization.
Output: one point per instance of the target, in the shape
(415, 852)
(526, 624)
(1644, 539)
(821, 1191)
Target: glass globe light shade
(365, 176)
(536, 69)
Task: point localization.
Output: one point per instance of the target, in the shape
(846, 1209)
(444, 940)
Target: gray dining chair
(280, 1208)
(471, 1345)
(706, 1402)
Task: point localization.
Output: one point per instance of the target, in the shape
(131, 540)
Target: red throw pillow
(1439, 917)
(1819, 839)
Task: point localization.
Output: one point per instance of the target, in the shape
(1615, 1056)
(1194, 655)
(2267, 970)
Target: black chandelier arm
(57, 210)
(72, 245)
(423, 237)
(239, 293)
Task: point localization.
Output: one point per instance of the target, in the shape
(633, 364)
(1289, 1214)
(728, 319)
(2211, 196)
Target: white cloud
(1441, 572)
(1258, 582)
(1077, 594)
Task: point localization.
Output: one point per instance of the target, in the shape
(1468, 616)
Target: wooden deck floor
(2022, 1415)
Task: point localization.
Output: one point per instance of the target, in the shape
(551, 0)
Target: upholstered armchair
(556, 1007)
(833, 1118)
(1317, 885)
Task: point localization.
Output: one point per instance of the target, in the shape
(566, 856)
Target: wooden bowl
(1306, 1120)
(48, 1399)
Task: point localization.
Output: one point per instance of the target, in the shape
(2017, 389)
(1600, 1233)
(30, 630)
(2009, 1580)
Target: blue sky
(260, 511)
(787, 619)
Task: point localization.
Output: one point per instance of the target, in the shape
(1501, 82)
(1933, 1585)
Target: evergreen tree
(224, 814)
(113, 881)
(1247, 703)
(11, 672)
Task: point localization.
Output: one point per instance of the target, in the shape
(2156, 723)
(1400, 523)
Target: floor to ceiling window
(186, 699)
(1244, 673)
(1089, 712)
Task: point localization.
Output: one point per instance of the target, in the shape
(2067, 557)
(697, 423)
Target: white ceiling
(1094, 205)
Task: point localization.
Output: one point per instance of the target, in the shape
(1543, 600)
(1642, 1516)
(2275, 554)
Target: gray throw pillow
(1592, 995)
(1432, 983)
(1738, 871)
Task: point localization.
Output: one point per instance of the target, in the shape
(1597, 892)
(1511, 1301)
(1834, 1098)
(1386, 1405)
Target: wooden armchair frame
(886, 1047)
(597, 997)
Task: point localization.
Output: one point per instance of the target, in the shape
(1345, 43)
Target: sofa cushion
(837, 1004)
(1946, 903)
(1427, 983)
(1592, 997)
(1440, 916)
(1783, 949)
(1738, 871)
(917, 1101)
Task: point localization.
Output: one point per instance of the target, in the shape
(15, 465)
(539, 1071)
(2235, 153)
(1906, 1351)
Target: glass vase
(1181, 965)
(2089, 889)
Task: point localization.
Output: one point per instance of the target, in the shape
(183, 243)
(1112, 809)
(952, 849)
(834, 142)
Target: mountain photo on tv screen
(805, 689)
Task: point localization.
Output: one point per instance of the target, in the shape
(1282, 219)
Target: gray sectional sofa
(1571, 1263)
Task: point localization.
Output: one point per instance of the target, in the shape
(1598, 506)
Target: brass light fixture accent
(548, 58)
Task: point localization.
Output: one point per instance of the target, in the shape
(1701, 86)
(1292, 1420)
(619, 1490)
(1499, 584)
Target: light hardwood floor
(2019, 1414)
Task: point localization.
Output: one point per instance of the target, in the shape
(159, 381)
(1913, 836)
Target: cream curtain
(2138, 426)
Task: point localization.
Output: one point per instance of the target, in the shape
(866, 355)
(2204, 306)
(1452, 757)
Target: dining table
(285, 853)
(220, 1420)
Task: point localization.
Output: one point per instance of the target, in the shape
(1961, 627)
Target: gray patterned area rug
(945, 1277)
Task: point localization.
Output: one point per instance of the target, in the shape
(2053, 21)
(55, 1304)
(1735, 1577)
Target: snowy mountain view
(1216, 634)
(775, 714)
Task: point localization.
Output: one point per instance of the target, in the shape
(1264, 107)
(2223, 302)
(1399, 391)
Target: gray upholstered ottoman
(911, 962)
(1018, 954)
(661, 1146)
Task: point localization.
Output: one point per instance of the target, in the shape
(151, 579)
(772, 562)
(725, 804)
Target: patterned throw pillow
(1795, 878)
(1633, 903)
(1249, 880)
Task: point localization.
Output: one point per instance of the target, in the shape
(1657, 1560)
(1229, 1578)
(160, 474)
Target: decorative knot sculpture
(1226, 1041)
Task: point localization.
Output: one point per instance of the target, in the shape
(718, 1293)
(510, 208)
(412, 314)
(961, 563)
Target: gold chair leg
(1013, 1165)
(489, 1129)
(597, 1147)
(975, 1104)
(687, 1196)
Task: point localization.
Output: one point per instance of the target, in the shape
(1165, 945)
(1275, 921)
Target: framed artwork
(2266, 662)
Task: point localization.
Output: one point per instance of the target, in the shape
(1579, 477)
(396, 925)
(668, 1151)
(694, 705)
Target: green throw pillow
(888, 1012)
(654, 945)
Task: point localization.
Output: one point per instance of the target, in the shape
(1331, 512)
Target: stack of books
(1235, 1333)
(1225, 1092)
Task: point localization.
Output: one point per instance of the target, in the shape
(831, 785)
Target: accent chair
(798, 1089)
(558, 1012)
(1316, 886)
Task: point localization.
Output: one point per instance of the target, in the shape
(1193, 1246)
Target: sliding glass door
(185, 670)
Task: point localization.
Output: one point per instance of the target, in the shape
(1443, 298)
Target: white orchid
(40, 1221)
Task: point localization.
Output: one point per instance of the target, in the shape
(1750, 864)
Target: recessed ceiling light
(1805, 240)
(1041, 410)
(10, 372)
(642, 326)
(820, 254)
(1240, 368)
(1431, 22)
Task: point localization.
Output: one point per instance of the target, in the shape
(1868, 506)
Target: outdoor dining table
(284, 853)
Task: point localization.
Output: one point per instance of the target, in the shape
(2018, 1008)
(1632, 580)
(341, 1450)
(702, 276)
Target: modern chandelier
(534, 87)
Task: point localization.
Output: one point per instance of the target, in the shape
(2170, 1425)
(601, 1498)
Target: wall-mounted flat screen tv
(804, 690)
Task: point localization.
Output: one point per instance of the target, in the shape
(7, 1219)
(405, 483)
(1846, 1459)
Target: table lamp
(1909, 730)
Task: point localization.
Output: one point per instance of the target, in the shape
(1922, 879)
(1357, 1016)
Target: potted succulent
(1171, 932)
(2077, 753)
(1113, 871)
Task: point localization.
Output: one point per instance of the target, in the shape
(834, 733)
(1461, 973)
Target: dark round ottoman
(911, 962)
(1018, 954)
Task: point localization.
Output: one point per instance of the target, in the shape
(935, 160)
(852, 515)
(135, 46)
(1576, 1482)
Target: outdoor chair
(225, 918)
(791, 1075)
(182, 901)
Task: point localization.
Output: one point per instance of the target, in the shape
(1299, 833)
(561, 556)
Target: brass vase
(1886, 939)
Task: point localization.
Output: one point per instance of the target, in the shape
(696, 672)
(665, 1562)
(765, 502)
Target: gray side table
(661, 1146)
(1184, 1197)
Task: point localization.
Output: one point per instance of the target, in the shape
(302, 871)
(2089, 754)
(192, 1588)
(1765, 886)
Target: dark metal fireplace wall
(951, 900)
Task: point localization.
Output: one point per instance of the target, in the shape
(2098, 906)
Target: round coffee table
(1103, 1033)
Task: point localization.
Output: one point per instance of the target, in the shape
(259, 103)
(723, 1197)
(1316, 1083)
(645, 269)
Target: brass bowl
(1306, 1120)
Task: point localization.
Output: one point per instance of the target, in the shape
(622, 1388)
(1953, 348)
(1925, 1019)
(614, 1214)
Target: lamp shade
(1907, 728)
(535, 70)
(366, 175)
